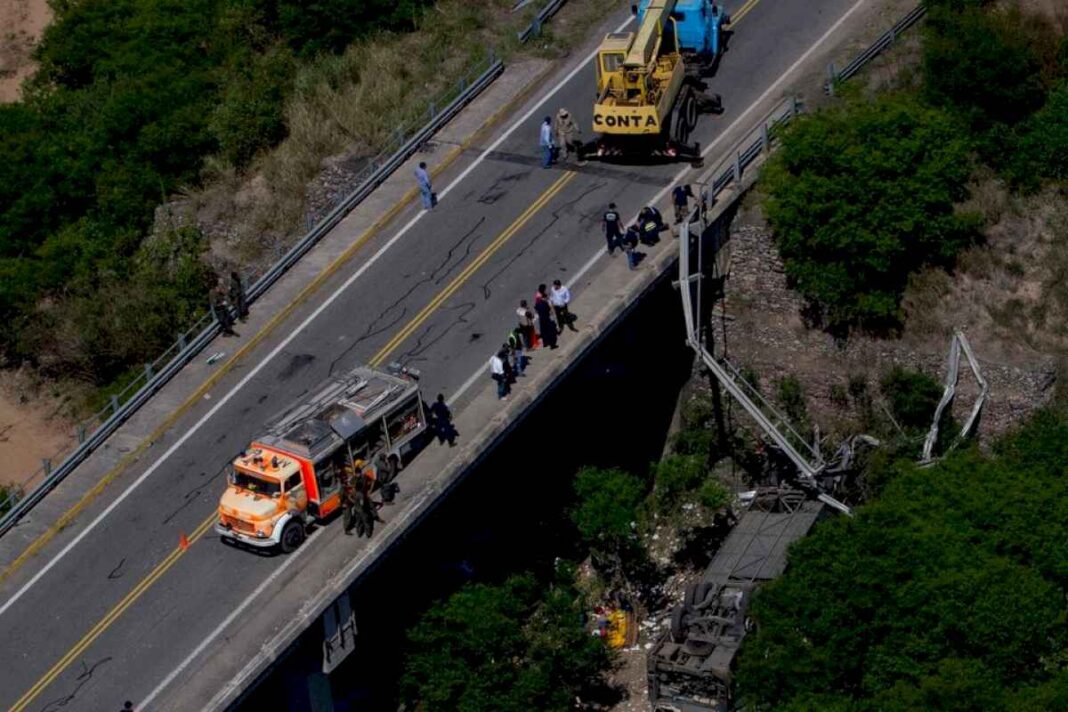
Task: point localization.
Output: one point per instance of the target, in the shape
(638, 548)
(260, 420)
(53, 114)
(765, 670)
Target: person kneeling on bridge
(650, 223)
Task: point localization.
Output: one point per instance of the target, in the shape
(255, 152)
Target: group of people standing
(559, 136)
(537, 326)
(359, 511)
(229, 302)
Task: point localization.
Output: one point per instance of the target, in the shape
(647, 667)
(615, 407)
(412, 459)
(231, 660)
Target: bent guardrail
(91, 433)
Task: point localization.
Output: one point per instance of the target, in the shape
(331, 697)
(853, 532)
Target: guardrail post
(832, 77)
(46, 463)
(114, 404)
(182, 343)
(738, 167)
(433, 111)
(765, 142)
(463, 84)
(81, 434)
(398, 138)
(148, 372)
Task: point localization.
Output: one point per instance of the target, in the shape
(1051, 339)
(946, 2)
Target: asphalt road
(109, 619)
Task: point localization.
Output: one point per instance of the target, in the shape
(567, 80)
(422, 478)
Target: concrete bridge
(98, 601)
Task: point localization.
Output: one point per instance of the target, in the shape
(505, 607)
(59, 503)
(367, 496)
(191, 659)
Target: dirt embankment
(22, 21)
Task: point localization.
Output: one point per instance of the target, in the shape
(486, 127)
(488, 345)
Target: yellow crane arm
(646, 44)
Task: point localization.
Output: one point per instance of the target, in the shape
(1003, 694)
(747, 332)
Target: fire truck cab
(291, 475)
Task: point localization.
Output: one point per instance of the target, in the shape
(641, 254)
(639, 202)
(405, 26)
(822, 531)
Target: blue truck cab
(698, 22)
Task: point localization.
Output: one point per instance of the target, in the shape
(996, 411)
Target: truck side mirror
(231, 477)
(634, 10)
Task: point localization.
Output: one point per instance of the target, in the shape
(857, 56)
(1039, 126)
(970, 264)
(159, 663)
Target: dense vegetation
(130, 99)
(946, 593)
(865, 193)
(516, 646)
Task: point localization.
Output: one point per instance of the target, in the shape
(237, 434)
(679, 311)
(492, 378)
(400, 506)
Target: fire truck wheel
(292, 537)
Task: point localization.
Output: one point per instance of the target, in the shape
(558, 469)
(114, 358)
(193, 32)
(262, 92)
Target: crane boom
(646, 45)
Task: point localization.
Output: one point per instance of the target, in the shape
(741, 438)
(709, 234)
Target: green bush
(946, 593)
(860, 196)
(513, 647)
(713, 494)
(981, 64)
(249, 116)
(676, 477)
(607, 505)
(1037, 150)
(912, 397)
(791, 396)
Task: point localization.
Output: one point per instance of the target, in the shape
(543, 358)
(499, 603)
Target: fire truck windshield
(259, 485)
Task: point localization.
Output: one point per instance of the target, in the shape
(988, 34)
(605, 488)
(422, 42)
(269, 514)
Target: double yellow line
(97, 630)
(743, 11)
(477, 263)
(107, 620)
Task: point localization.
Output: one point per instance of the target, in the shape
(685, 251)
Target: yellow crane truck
(649, 88)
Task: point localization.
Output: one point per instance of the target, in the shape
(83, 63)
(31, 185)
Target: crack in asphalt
(114, 573)
(191, 496)
(499, 188)
(411, 355)
(556, 214)
(466, 241)
(83, 679)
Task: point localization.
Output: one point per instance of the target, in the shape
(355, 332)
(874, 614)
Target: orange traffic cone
(183, 541)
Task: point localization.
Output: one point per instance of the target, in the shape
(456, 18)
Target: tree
(512, 647)
(946, 593)
(861, 195)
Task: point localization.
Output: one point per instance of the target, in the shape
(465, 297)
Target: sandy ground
(29, 430)
(22, 21)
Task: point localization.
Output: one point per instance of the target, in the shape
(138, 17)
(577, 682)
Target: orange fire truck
(291, 475)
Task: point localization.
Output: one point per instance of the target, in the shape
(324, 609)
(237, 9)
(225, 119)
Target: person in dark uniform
(387, 468)
(442, 420)
(221, 311)
(348, 500)
(649, 226)
(680, 198)
(546, 325)
(237, 296)
(612, 225)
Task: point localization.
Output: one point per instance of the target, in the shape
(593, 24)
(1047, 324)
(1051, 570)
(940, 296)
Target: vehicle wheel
(689, 111)
(292, 537)
(679, 619)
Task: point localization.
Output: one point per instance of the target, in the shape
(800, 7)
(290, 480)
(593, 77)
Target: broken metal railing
(957, 345)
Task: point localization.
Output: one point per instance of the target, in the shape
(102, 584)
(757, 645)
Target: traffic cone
(183, 541)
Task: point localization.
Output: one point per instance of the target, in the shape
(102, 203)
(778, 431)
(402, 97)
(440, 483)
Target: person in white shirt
(560, 297)
(497, 373)
(545, 141)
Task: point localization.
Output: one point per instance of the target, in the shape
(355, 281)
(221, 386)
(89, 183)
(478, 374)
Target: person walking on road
(560, 297)
(237, 296)
(442, 421)
(567, 133)
(545, 142)
(612, 225)
(426, 190)
(526, 325)
(680, 198)
(546, 326)
(497, 373)
(221, 311)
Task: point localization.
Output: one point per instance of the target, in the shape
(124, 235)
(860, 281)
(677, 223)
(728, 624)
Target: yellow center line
(475, 264)
(169, 561)
(97, 630)
(742, 11)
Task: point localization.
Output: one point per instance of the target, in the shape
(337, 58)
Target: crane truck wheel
(689, 111)
(292, 536)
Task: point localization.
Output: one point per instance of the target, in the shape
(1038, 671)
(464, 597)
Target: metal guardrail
(534, 29)
(887, 39)
(92, 432)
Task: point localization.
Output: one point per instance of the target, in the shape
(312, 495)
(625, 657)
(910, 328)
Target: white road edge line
(584, 64)
(144, 703)
(578, 276)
